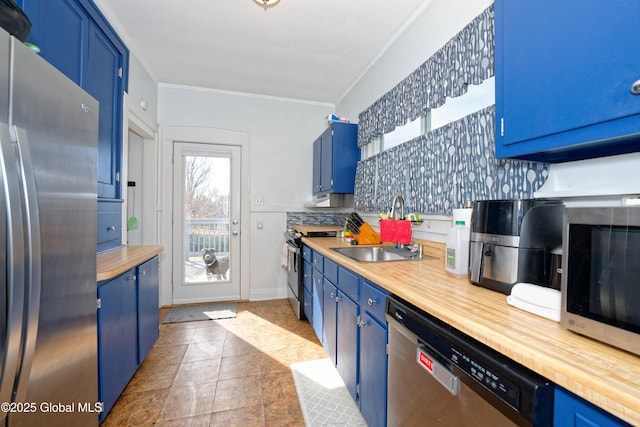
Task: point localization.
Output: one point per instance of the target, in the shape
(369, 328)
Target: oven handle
(293, 248)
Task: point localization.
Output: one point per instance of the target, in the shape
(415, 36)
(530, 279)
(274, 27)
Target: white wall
(281, 132)
(143, 89)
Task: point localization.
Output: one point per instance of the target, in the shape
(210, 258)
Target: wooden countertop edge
(116, 261)
(603, 375)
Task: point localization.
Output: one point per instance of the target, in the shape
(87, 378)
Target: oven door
(294, 277)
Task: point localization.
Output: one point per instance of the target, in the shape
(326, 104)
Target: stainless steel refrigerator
(48, 136)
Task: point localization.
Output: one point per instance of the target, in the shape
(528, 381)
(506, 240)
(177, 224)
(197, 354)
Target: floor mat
(323, 396)
(192, 313)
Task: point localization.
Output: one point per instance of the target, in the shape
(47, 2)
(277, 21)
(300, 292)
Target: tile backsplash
(315, 218)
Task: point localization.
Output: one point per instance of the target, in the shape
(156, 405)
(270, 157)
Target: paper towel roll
(462, 215)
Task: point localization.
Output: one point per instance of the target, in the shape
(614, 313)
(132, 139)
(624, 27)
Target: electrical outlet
(259, 200)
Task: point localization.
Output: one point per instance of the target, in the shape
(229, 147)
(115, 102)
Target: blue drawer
(318, 262)
(306, 253)
(109, 225)
(348, 283)
(331, 271)
(372, 299)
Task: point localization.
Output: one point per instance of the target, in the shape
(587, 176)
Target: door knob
(635, 87)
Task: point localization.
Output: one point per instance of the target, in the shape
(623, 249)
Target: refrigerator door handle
(16, 264)
(34, 262)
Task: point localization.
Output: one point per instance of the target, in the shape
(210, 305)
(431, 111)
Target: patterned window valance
(465, 59)
(444, 168)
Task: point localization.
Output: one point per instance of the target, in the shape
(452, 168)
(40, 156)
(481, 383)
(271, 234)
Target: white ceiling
(299, 49)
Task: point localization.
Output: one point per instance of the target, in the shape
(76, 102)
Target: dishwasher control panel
(491, 379)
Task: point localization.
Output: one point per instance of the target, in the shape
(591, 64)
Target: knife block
(396, 231)
(367, 235)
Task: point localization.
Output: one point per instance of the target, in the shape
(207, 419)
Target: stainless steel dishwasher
(439, 376)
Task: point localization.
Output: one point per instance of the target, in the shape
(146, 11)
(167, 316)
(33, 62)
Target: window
(476, 98)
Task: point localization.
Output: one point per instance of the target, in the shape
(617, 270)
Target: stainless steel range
(293, 260)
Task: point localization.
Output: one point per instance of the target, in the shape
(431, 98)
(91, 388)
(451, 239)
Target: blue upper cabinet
(76, 39)
(564, 75)
(335, 155)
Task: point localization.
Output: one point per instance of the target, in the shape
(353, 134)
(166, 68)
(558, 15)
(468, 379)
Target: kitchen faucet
(399, 202)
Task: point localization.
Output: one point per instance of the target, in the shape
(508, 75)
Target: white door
(206, 222)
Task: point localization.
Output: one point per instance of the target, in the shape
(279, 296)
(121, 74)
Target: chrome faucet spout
(397, 203)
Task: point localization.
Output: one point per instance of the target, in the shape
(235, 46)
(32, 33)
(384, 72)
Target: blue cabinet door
(148, 307)
(562, 89)
(326, 162)
(335, 156)
(317, 301)
(117, 337)
(307, 301)
(373, 371)
(572, 411)
(317, 165)
(345, 155)
(347, 342)
(60, 29)
(330, 319)
(103, 82)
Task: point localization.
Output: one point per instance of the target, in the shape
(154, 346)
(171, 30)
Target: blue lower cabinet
(373, 354)
(317, 302)
(148, 306)
(347, 342)
(117, 337)
(572, 411)
(128, 326)
(373, 371)
(307, 303)
(330, 319)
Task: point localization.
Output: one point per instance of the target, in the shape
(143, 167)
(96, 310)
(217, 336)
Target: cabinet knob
(111, 228)
(370, 301)
(635, 87)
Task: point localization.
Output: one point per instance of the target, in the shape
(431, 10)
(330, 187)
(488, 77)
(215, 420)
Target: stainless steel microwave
(601, 274)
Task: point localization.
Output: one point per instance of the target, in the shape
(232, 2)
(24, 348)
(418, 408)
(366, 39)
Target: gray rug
(324, 399)
(193, 313)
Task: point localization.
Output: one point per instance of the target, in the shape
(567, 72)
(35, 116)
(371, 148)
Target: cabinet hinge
(117, 176)
(99, 303)
(387, 349)
(120, 72)
(501, 126)
(358, 389)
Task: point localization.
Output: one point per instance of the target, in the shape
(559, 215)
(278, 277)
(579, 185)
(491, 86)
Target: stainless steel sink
(379, 254)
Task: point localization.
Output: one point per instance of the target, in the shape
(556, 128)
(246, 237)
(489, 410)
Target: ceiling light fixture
(266, 3)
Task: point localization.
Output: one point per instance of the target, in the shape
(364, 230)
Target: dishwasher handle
(438, 371)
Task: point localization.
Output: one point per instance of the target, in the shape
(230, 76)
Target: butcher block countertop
(603, 375)
(116, 261)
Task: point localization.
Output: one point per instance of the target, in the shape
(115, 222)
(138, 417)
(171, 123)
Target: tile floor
(228, 372)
